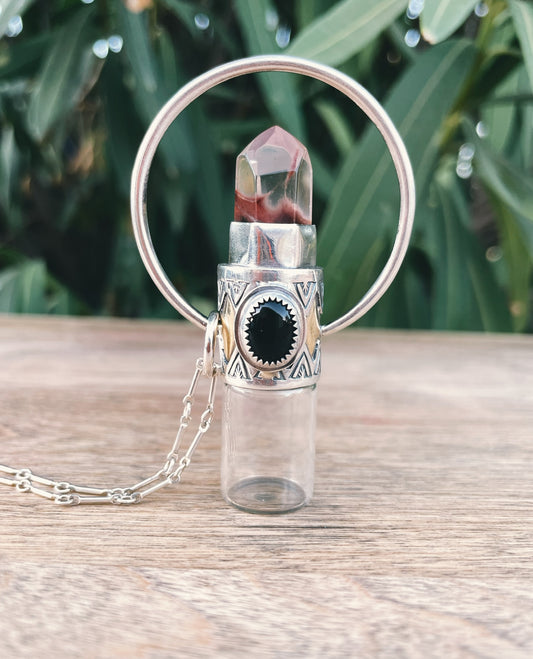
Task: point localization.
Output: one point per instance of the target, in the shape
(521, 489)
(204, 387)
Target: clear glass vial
(268, 448)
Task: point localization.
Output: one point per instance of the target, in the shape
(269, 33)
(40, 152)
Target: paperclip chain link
(67, 494)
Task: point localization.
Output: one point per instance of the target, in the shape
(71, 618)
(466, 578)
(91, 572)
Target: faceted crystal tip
(274, 180)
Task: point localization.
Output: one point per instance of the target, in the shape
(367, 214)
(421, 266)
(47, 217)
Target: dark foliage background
(81, 81)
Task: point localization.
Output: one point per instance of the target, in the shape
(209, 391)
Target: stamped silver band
(300, 290)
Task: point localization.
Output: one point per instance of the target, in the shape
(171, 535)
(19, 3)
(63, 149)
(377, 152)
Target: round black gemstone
(271, 331)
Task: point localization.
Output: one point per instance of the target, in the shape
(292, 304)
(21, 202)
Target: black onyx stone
(271, 331)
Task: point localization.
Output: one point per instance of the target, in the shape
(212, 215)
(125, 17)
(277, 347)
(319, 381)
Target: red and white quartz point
(273, 181)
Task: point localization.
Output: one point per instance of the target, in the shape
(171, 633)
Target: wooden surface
(418, 542)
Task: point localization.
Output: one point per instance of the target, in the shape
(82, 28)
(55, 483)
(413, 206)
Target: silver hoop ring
(191, 91)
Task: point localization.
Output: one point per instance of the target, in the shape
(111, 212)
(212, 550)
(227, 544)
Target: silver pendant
(270, 293)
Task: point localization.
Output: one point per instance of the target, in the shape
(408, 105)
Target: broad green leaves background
(80, 83)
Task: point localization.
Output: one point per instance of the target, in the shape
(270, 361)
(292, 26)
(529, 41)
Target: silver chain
(68, 494)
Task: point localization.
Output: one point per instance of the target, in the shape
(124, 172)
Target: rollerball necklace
(265, 337)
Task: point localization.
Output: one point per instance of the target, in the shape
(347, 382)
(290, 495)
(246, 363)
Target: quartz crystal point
(273, 181)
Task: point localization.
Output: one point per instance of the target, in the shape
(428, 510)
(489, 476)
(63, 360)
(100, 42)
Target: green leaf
(186, 12)
(396, 33)
(323, 174)
(416, 302)
(362, 214)
(231, 135)
(405, 304)
(127, 279)
(511, 192)
(526, 138)
(63, 76)
(345, 29)
(151, 91)
(11, 8)
(441, 18)
(32, 287)
(22, 288)
(337, 125)
(124, 129)
(508, 183)
(215, 202)
(279, 89)
(175, 198)
(24, 56)
(466, 295)
(522, 13)
(8, 291)
(9, 161)
(498, 118)
(167, 60)
(518, 261)
(306, 11)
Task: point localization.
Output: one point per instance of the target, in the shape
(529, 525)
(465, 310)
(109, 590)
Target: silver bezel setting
(259, 296)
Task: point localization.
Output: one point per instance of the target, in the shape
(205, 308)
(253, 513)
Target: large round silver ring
(353, 90)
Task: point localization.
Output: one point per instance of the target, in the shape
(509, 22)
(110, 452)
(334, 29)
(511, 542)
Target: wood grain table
(418, 542)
